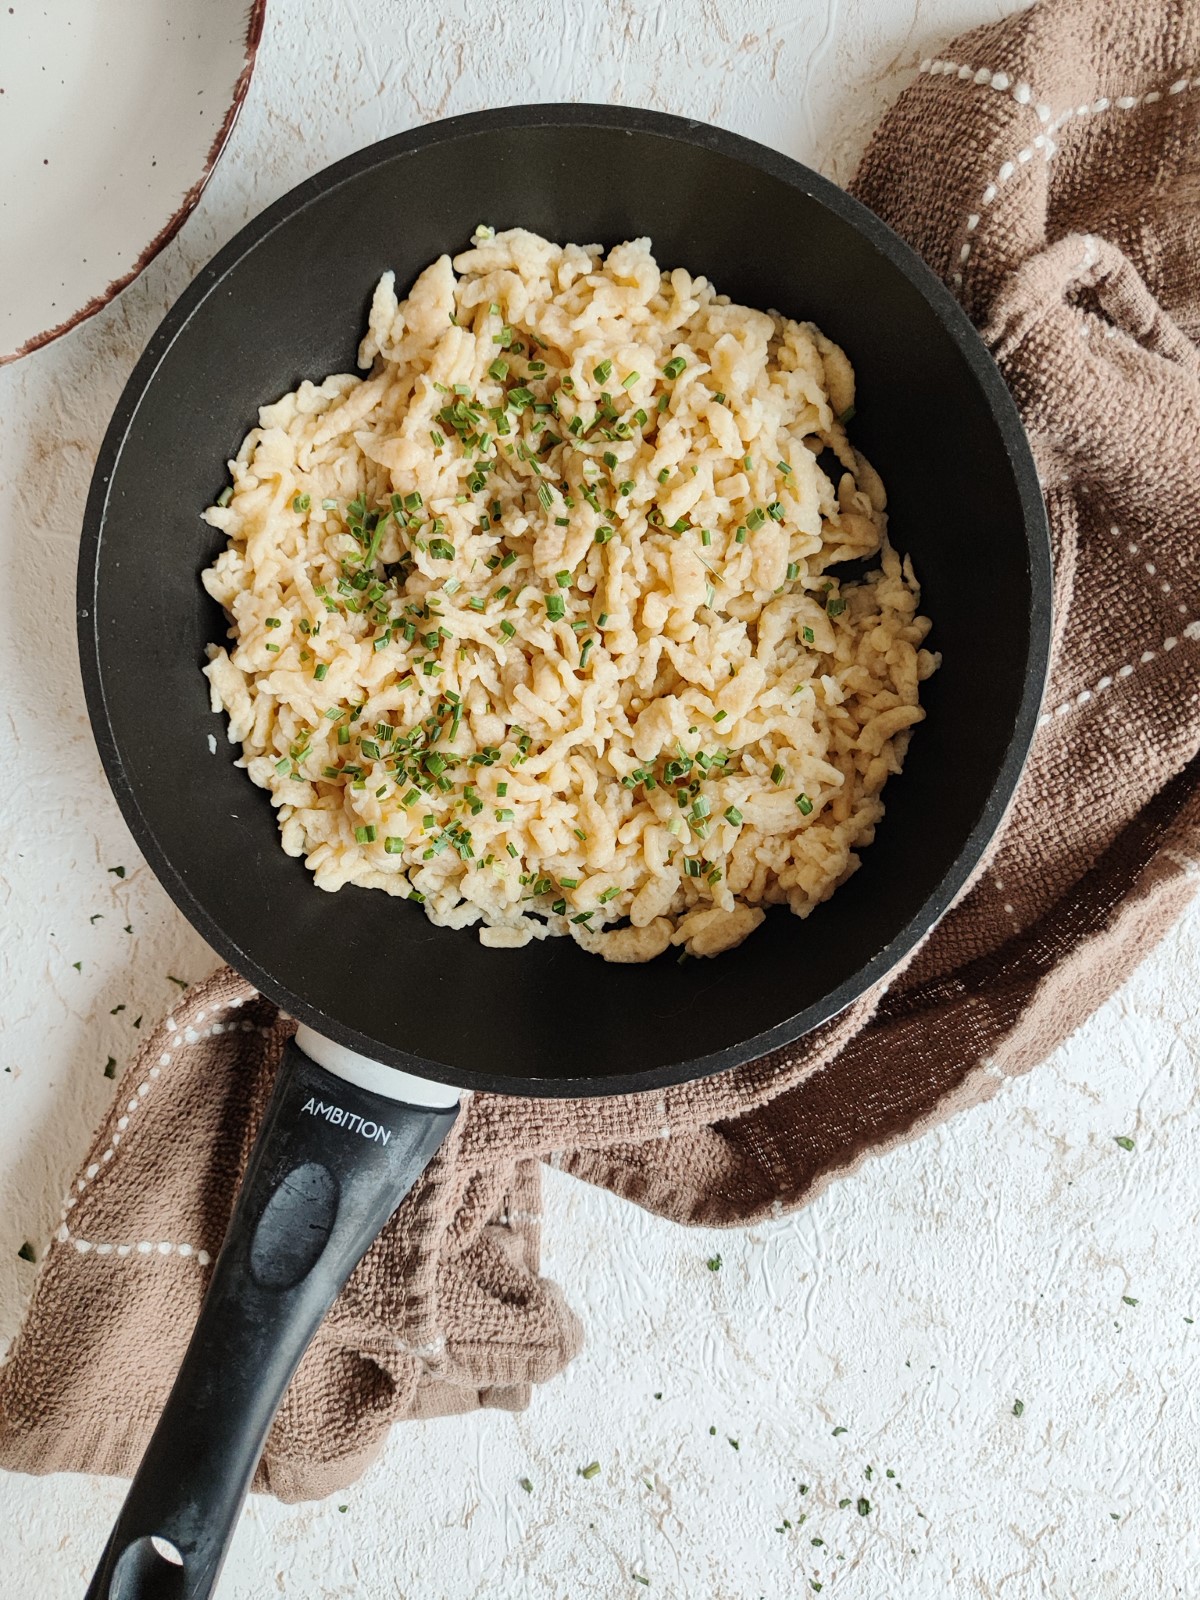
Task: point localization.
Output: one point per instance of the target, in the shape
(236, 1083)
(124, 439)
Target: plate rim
(253, 38)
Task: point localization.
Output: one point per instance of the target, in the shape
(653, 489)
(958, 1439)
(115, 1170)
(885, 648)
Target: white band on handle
(373, 1075)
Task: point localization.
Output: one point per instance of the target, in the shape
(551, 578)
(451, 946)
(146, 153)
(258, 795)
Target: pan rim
(1005, 418)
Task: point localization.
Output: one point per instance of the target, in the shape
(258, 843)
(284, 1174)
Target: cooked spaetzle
(535, 622)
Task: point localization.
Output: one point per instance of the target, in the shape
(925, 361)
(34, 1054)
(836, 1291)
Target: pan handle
(333, 1159)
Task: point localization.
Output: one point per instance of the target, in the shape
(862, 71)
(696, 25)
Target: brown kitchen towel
(1048, 168)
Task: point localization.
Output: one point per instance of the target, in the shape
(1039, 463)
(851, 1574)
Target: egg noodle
(537, 624)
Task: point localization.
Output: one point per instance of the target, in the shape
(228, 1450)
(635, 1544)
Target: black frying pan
(342, 1143)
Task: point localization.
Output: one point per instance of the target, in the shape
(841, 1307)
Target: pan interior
(288, 300)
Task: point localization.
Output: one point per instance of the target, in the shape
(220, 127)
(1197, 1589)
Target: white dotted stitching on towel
(187, 1037)
(1191, 632)
(510, 1217)
(1044, 141)
(144, 1247)
(423, 1352)
(1000, 81)
(1009, 911)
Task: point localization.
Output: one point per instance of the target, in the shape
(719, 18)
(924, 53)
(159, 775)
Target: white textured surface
(911, 1306)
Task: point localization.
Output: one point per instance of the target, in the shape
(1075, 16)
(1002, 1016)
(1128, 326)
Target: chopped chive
(274, 622)
(628, 383)
(705, 536)
(507, 629)
(301, 502)
(793, 571)
(719, 397)
(225, 496)
(319, 671)
(740, 536)
(498, 369)
(393, 845)
(664, 475)
(585, 652)
(663, 403)
(777, 773)
(732, 814)
(603, 535)
(847, 415)
(808, 635)
(692, 867)
(602, 619)
(720, 716)
(640, 417)
(784, 468)
(603, 372)
(627, 487)
(775, 511)
(805, 805)
(512, 849)
(674, 367)
(835, 607)
(563, 579)
(756, 519)
(556, 607)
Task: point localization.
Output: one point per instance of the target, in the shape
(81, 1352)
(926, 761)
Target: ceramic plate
(112, 116)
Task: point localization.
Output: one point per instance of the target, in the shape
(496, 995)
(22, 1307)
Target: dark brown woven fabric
(1049, 169)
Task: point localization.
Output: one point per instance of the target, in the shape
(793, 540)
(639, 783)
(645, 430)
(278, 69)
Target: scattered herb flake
(714, 1263)
(180, 981)
(118, 871)
(526, 1484)
(592, 1470)
(110, 1066)
(864, 1506)
(1124, 1141)
(836, 1431)
(1018, 1407)
(27, 1252)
